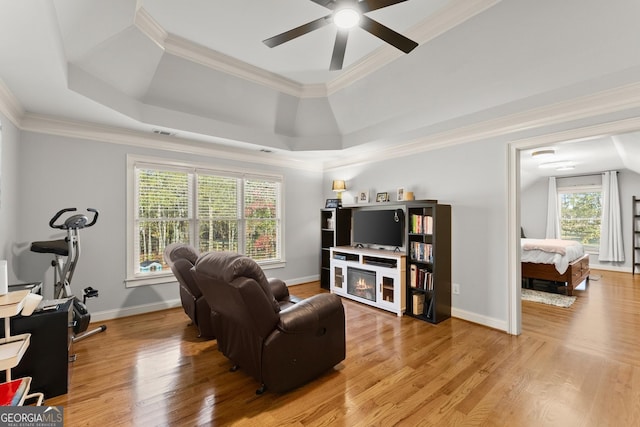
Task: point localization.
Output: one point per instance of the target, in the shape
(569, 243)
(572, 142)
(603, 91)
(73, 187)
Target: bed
(555, 260)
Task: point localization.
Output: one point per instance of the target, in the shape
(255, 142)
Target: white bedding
(560, 255)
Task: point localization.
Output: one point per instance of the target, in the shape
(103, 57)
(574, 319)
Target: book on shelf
(418, 304)
(420, 251)
(414, 276)
(421, 224)
(421, 278)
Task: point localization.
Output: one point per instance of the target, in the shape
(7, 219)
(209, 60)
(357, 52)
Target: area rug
(548, 298)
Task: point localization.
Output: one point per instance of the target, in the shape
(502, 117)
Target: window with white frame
(210, 209)
(580, 215)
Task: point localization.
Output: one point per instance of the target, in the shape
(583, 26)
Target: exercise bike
(66, 253)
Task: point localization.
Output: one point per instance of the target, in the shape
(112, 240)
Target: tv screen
(378, 227)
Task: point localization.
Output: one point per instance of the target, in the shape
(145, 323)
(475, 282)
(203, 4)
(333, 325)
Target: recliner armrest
(278, 288)
(309, 314)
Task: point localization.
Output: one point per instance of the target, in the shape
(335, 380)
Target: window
(580, 215)
(209, 209)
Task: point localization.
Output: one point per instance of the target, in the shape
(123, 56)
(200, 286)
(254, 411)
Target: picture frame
(382, 197)
(332, 203)
(363, 196)
(400, 194)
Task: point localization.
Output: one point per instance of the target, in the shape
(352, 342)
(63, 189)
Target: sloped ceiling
(589, 156)
(199, 70)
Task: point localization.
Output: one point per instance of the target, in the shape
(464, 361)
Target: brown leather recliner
(181, 257)
(281, 348)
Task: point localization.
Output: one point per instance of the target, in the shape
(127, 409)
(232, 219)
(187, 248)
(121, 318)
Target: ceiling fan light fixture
(346, 17)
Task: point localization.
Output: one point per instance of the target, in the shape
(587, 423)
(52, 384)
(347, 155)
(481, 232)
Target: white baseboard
(100, 316)
(479, 319)
(301, 280)
(610, 268)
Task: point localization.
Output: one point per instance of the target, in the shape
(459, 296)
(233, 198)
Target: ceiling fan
(345, 15)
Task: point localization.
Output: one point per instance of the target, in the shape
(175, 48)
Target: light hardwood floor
(570, 367)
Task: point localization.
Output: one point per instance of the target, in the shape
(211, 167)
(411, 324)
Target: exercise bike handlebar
(75, 221)
(95, 216)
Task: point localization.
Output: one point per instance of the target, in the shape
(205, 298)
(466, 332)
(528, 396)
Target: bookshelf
(428, 246)
(635, 242)
(335, 229)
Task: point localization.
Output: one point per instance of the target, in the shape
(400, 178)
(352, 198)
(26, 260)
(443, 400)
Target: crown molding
(605, 102)
(150, 27)
(600, 103)
(114, 135)
(190, 51)
(9, 105)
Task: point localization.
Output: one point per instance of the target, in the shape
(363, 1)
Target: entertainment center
(395, 256)
(371, 276)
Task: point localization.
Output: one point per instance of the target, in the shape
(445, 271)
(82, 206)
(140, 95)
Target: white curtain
(611, 247)
(553, 211)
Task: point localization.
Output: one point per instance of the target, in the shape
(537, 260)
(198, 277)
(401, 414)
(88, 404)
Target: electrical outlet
(456, 289)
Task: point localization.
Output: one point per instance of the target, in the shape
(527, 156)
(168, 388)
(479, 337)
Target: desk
(46, 360)
(33, 287)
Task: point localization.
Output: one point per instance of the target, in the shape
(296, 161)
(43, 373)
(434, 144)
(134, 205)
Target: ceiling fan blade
(297, 32)
(387, 34)
(339, 48)
(369, 5)
(330, 4)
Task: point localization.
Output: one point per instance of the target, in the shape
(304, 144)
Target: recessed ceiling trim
(92, 131)
(601, 103)
(186, 49)
(150, 27)
(9, 105)
(605, 102)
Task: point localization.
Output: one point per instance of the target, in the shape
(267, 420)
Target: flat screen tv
(379, 227)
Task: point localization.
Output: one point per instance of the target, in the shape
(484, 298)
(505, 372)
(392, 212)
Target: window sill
(272, 265)
(156, 279)
(160, 279)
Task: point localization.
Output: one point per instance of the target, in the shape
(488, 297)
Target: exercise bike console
(75, 221)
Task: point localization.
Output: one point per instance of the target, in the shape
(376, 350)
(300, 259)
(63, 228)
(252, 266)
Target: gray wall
(472, 179)
(9, 167)
(64, 172)
(533, 203)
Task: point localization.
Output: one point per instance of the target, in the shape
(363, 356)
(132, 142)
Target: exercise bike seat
(58, 247)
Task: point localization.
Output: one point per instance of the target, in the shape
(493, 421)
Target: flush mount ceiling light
(543, 152)
(558, 164)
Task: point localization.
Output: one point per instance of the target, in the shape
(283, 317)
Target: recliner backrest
(235, 287)
(181, 258)
(227, 266)
(179, 250)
